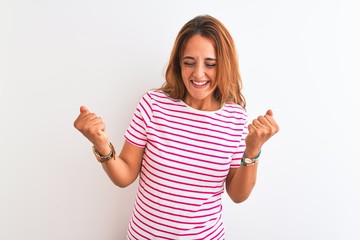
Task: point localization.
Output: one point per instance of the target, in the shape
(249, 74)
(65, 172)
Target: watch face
(248, 160)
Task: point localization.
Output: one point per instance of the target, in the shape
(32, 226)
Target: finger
(96, 121)
(257, 124)
(90, 117)
(269, 112)
(264, 121)
(271, 119)
(83, 112)
(251, 128)
(83, 109)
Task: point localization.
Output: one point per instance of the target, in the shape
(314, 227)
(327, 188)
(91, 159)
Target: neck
(204, 105)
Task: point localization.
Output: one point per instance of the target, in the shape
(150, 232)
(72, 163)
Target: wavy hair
(229, 84)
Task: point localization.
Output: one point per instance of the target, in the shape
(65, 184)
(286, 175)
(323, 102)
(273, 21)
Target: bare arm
(241, 181)
(124, 169)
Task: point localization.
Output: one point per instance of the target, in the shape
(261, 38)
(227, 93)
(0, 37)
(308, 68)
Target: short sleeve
(236, 157)
(136, 133)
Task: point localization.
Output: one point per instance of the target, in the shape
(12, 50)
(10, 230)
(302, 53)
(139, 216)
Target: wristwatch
(106, 158)
(246, 161)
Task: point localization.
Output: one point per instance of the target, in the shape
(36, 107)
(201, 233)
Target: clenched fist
(93, 128)
(260, 130)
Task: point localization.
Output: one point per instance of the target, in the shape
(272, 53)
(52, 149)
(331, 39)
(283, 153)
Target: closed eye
(189, 64)
(210, 65)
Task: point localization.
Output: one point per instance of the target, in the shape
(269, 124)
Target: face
(198, 71)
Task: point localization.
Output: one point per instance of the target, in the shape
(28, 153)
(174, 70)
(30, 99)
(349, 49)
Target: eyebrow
(192, 58)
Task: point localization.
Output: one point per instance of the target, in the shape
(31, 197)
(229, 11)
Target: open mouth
(199, 84)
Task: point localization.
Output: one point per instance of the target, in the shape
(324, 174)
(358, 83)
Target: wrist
(103, 148)
(103, 155)
(250, 160)
(252, 153)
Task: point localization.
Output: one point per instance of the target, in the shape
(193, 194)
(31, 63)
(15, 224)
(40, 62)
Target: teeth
(199, 83)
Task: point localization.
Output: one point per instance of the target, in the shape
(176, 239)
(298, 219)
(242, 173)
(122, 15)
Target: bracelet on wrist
(103, 159)
(256, 157)
(246, 161)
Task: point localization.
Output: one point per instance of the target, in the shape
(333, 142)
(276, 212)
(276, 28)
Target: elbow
(121, 185)
(240, 199)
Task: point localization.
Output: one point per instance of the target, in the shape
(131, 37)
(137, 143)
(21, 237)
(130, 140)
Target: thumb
(269, 112)
(83, 109)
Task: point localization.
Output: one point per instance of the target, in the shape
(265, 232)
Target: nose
(199, 72)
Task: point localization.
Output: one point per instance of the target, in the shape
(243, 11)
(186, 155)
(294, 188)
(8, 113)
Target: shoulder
(158, 96)
(234, 113)
(234, 108)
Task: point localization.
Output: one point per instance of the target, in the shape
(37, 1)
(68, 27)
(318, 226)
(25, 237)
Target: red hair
(229, 84)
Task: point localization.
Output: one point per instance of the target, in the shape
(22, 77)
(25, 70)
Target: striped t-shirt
(188, 154)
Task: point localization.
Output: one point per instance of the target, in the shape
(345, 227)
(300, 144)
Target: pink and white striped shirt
(188, 154)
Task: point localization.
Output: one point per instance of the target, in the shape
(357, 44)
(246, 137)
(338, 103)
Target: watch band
(256, 157)
(246, 161)
(106, 158)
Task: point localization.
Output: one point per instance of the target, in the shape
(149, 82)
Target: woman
(187, 140)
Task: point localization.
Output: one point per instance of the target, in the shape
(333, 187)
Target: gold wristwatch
(106, 158)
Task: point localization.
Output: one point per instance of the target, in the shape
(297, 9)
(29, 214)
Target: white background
(300, 58)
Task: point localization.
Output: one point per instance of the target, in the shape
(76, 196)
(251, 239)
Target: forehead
(199, 45)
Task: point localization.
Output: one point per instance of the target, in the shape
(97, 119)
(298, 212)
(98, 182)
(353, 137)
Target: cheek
(213, 74)
(213, 78)
(184, 74)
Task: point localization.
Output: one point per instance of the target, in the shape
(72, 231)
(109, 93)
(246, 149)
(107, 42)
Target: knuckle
(275, 129)
(264, 132)
(78, 126)
(257, 133)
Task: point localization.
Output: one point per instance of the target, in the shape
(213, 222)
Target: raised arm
(122, 169)
(240, 181)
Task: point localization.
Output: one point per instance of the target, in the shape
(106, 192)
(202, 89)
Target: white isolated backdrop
(299, 58)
